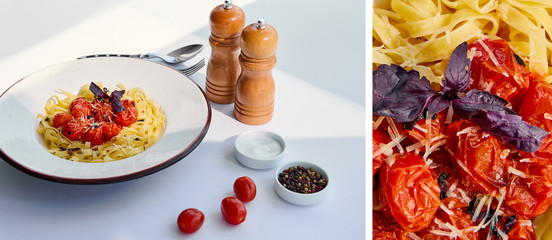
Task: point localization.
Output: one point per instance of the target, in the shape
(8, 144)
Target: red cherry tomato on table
(61, 119)
(76, 128)
(233, 210)
(81, 108)
(128, 116)
(245, 189)
(190, 220)
(410, 191)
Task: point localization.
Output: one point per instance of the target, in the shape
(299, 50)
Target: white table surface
(319, 110)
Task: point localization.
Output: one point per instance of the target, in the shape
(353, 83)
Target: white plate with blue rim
(187, 111)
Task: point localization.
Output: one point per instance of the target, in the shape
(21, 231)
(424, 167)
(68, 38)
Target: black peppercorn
(301, 180)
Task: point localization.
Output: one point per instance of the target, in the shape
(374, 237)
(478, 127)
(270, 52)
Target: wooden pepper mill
(254, 102)
(226, 22)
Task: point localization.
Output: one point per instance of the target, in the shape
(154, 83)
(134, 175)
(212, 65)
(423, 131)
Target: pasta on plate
(131, 140)
(421, 35)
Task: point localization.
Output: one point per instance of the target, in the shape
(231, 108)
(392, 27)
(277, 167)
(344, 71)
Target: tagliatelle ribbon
(424, 32)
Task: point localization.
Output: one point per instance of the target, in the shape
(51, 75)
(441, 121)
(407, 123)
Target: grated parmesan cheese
(446, 209)
(516, 172)
(389, 146)
(420, 128)
(478, 208)
(414, 236)
(492, 56)
(472, 129)
(378, 122)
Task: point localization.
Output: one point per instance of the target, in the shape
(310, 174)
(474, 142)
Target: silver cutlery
(193, 69)
(179, 55)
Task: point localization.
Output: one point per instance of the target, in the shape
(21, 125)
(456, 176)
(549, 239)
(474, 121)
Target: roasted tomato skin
(81, 108)
(75, 128)
(410, 191)
(245, 189)
(536, 107)
(128, 116)
(508, 79)
(459, 219)
(522, 231)
(233, 210)
(529, 196)
(386, 229)
(61, 119)
(95, 136)
(103, 112)
(110, 130)
(480, 159)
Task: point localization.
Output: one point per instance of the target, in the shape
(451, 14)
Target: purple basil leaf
(385, 79)
(407, 98)
(512, 129)
(115, 100)
(117, 105)
(97, 91)
(437, 103)
(457, 74)
(476, 100)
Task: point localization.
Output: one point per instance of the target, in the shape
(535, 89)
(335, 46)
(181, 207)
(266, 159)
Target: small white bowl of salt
(259, 149)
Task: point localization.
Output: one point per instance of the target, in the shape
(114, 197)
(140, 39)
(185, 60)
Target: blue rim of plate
(121, 178)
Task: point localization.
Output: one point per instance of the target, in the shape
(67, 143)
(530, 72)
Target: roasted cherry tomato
(529, 195)
(422, 133)
(233, 210)
(95, 135)
(481, 161)
(76, 128)
(103, 112)
(128, 116)
(411, 192)
(245, 189)
(499, 72)
(81, 108)
(536, 108)
(453, 193)
(522, 230)
(190, 220)
(61, 119)
(386, 229)
(458, 219)
(110, 129)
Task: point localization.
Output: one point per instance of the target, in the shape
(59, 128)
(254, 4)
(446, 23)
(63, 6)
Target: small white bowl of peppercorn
(301, 183)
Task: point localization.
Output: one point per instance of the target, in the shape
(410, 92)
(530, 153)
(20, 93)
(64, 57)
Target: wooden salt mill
(226, 22)
(254, 102)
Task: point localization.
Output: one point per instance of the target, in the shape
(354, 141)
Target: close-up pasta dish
(98, 126)
(462, 105)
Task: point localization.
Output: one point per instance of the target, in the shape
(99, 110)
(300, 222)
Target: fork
(193, 69)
